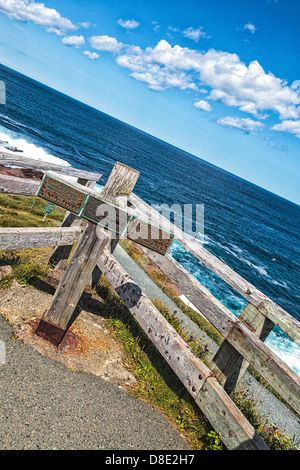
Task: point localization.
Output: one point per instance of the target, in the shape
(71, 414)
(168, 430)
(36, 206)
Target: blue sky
(219, 79)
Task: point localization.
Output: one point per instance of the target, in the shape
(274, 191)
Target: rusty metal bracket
(51, 332)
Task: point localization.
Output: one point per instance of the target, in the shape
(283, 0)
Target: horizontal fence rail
(18, 186)
(274, 370)
(243, 335)
(197, 378)
(270, 309)
(41, 165)
(37, 237)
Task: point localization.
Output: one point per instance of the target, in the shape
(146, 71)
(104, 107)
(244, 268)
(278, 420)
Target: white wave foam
(99, 187)
(29, 149)
(17, 124)
(283, 346)
(237, 253)
(236, 248)
(279, 283)
(260, 269)
(286, 350)
(206, 239)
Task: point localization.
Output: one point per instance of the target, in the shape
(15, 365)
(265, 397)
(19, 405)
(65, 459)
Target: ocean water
(252, 230)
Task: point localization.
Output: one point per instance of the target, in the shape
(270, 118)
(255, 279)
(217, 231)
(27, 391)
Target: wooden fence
(244, 336)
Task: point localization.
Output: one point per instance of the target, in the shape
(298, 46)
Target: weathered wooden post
(54, 323)
(117, 190)
(228, 364)
(197, 378)
(120, 184)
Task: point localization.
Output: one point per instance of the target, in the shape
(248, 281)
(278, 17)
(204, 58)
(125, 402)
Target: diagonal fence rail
(244, 336)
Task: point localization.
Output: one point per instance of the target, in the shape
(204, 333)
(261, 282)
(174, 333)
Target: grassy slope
(156, 382)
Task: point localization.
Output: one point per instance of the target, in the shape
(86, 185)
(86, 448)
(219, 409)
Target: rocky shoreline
(21, 173)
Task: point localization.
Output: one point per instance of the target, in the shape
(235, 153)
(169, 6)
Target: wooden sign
(100, 212)
(106, 215)
(148, 235)
(62, 194)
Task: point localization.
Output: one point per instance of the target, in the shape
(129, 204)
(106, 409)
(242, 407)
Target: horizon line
(147, 133)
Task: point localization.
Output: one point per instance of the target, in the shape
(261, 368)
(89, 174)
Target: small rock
(5, 271)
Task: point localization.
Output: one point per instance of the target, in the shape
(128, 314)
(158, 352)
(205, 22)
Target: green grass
(6, 282)
(166, 286)
(156, 384)
(27, 265)
(17, 211)
(268, 431)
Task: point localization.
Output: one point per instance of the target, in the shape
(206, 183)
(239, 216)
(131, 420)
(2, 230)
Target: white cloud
(175, 30)
(195, 34)
(145, 67)
(128, 24)
(29, 10)
(231, 81)
(296, 86)
(293, 127)
(75, 41)
(155, 26)
(85, 24)
(191, 33)
(245, 124)
(160, 79)
(249, 27)
(106, 43)
(203, 105)
(91, 55)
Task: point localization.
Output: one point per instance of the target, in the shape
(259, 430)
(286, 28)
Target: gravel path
(46, 406)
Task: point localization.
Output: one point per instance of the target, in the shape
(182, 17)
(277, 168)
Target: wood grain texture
(236, 432)
(120, 184)
(19, 186)
(228, 364)
(76, 276)
(270, 309)
(235, 330)
(37, 237)
(117, 189)
(24, 162)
